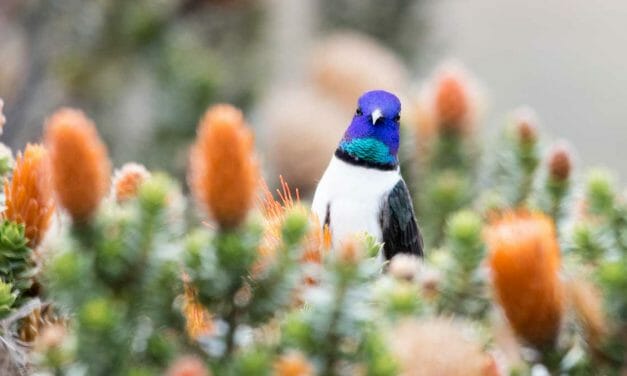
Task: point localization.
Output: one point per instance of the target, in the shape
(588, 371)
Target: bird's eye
(358, 112)
(397, 118)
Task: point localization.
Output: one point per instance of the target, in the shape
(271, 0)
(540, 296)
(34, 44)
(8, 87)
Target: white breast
(354, 195)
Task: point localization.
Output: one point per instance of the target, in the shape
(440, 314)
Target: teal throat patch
(368, 149)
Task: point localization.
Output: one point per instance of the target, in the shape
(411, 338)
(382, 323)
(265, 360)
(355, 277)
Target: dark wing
(398, 224)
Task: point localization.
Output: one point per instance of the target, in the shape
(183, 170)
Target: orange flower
(127, 180)
(223, 172)
(188, 366)
(80, 165)
(198, 322)
(29, 193)
(453, 102)
(273, 214)
(293, 364)
(525, 261)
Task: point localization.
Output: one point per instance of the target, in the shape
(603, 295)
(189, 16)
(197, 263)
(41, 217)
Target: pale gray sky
(566, 59)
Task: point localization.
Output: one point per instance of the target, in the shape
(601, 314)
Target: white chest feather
(353, 196)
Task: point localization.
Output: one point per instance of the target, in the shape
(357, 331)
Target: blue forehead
(387, 102)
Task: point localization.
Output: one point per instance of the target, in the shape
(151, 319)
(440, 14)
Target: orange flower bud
(450, 101)
(28, 195)
(223, 172)
(293, 364)
(127, 180)
(525, 260)
(80, 165)
(454, 103)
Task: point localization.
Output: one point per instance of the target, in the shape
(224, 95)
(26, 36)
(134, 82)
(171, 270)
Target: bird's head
(373, 135)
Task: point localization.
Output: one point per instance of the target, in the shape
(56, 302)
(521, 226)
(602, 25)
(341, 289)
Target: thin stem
(231, 320)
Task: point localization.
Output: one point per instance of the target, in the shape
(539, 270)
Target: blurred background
(145, 70)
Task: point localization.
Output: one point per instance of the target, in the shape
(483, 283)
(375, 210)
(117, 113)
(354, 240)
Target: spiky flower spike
(223, 172)
(80, 165)
(127, 180)
(28, 195)
(525, 261)
(453, 102)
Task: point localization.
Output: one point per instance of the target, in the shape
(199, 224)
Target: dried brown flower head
(418, 347)
(223, 172)
(525, 261)
(80, 166)
(526, 125)
(293, 364)
(29, 198)
(560, 162)
(127, 180)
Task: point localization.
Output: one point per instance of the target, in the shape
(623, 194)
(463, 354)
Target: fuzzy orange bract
(28, 195)
(274, 212)
(223, 172)
(525, 260)
(80, 165)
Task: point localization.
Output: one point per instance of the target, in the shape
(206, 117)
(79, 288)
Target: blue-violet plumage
(373, 134)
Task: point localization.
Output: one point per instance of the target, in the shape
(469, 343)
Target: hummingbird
(362, 189)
